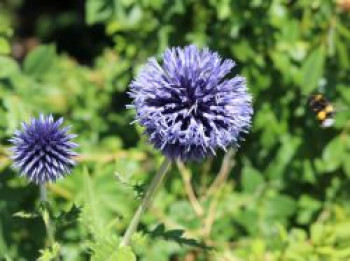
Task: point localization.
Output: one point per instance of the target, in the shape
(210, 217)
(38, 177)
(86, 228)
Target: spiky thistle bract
(43, 150)
(189, 105)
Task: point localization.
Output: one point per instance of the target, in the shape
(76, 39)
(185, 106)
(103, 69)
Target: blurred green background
(284, 195)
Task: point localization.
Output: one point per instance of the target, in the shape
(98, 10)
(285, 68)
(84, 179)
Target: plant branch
(210, 219)
(214, 190)
(186, 177)
(225, 169)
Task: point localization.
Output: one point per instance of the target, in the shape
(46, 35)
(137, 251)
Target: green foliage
(49, 254)
(39, 61)
(286, 196)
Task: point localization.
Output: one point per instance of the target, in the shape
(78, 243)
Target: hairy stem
(46, 217)
(145, 202)
(43, 193)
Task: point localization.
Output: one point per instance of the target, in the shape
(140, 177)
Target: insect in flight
(323, 109)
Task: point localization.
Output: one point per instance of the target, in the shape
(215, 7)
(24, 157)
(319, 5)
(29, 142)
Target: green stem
(43, 193)
(145, 202)
(46, 217)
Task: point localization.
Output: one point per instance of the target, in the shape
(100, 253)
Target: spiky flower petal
(42, 150)
(188, 105)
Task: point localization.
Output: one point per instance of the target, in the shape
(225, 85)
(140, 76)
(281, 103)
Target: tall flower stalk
(42, 151)
(46, 217)
(189, 107)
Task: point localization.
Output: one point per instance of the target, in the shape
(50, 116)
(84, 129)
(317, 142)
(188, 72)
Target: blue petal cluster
(43, 150)
(188, 105)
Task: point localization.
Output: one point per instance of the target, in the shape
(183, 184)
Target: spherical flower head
(43, 150)
(188, 104)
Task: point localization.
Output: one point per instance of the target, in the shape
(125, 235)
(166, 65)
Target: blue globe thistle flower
(43, 150)
(188, 105)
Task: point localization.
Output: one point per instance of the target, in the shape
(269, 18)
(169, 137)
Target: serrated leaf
(49, 254)
(121, 254)
(68, 217)
(158, 230)
(45, 207)
(94, 222)
(107, 249)
(139, 189)
(176, 235)
(124, 254)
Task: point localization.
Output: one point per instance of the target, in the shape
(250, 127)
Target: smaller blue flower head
(42, 150)
(188, 103)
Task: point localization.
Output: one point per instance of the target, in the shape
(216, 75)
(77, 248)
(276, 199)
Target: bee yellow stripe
(318, 97)
(329, 108)
(321, 115)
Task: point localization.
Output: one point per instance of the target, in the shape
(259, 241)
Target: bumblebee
(323, 109)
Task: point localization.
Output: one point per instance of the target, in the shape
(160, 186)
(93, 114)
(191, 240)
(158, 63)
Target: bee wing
(327, 123)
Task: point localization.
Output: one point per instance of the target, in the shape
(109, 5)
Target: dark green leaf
(68, 217)
(176, 235)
